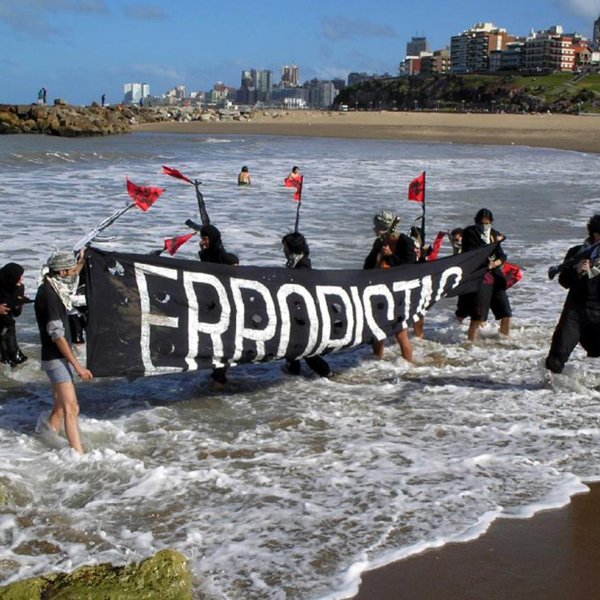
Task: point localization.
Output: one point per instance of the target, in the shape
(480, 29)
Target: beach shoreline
(550, 556)
(561, 132)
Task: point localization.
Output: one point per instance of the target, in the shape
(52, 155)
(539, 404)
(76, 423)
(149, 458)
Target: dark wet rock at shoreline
(87, 121)
(165, 575)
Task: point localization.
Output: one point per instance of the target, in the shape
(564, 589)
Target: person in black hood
(212, 250)
(579, 321)
(12, 298)
(297, 254)
(492, 292)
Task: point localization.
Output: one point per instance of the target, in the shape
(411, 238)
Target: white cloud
(342, 28)
(584, 8)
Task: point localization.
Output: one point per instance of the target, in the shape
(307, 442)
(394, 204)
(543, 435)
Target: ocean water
(285, 487)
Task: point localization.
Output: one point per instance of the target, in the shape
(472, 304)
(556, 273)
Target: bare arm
(66, 351)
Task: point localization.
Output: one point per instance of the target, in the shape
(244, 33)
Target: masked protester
(12, 298)
(580, 318)
(492, 292)
(297, 253)
(52, 305)
(390, 249)
(212, 250)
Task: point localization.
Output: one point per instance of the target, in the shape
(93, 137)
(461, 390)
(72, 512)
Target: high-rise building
(596, 36)
(263, 82)
(550, 50)
(470, 50)
(134, 92)
(416, 46)
(290, 76)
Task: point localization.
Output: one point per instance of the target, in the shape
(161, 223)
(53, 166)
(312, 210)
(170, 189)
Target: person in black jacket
(391, 248)
(297, 254)
(12, 298)
(212, 250)
(580, 318)
(492, 292)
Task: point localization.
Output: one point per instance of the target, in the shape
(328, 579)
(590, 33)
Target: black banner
(150, 315)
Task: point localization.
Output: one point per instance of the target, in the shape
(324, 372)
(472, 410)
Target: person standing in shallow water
(579, 321)
(52, 304)
(244, 176)
(12, 298)
(212, 250)
(492, 292)
(390, 249)
(297, 253)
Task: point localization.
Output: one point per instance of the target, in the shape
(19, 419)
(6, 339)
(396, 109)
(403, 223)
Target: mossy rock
(165, 576)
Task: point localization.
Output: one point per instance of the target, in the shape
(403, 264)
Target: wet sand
(565, 132)
(555, 555)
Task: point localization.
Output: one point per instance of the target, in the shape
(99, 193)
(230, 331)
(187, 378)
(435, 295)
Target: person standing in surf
(12, 298)
(244, 176)
(212, 250)
(492, 292)
(52, 305)
(390, 249)
(297, 254)
(579, 321)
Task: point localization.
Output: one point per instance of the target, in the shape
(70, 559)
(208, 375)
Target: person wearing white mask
(492, 292)
(52, 304)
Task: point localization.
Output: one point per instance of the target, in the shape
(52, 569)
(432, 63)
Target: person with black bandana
(297, 253)
(492, 292)
(212, 250)
(579, 321)
(12, 298)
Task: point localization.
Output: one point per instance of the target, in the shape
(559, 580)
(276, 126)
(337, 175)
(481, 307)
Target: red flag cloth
(513, 274)
(173, 244)
(416, 188)
(295, 182)
(437, 244)
(144, 196)
(175, 173)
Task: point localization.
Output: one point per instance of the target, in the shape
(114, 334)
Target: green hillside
(557, 92)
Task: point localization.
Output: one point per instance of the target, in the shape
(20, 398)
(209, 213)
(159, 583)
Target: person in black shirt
(52, 303)
(12, 298)
(297, 253)
(580, 318)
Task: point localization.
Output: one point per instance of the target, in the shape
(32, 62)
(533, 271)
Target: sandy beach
(565, 132)
(552, 556)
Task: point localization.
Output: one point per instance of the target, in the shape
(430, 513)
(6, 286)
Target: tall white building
(134, 92)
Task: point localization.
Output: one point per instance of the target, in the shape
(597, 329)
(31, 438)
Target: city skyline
(80, 49)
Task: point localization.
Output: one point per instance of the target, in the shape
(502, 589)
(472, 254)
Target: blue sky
(79, 49)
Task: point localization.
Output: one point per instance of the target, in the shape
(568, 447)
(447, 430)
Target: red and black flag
(143, 195)
(175, 173)
(416, 188)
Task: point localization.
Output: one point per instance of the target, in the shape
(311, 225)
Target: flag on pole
(173, 244)
(175, 173)
(295, 182)
(416, 188)
(144, 196)
(437, 245)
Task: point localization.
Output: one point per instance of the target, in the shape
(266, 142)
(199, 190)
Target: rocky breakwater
(65, 120)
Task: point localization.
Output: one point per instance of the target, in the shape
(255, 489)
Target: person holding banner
(212, 250)
(579, 321)
(297, 253)
(391, 248)
(52, 304)
(492, 292)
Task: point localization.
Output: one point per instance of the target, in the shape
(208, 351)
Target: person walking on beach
(579, 321)
(244, 176)
(492, 292)
(390, 249)
(297, 254)
(212, 250)
(103, 100)
(12, 298)
(52, 303)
